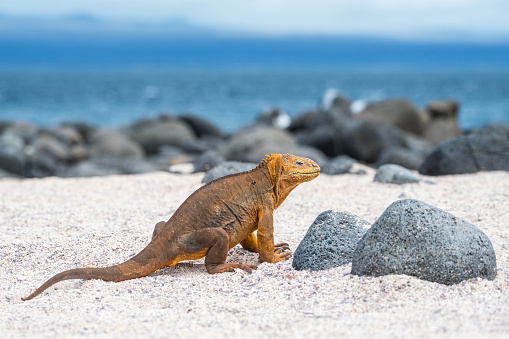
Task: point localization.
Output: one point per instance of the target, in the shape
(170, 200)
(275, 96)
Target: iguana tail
(149, 260)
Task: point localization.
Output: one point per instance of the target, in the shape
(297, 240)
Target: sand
(53, 224)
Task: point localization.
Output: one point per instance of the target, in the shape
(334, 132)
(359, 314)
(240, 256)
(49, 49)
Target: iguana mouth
(305, 173)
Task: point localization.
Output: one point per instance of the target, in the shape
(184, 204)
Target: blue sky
(477, 20)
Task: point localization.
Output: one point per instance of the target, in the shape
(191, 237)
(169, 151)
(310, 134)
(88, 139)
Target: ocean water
(232, 98)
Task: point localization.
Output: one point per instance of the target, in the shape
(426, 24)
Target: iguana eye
(299, 163)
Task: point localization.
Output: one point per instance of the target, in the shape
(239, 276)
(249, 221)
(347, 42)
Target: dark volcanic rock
(13, 157)
(310, 120)
(334, 102)
(227, 168)
(252, 144)
(164, 131)
(274, 117)
(401, 156)
(417, 239)
(330, 241)
(486, 149)
(398, 113)
(113, 143)
(201, 127)
(338, 165)
(326, 138)
(88, 169)
(446, 109)
(365, 140)
(206, 161)
(395, 174)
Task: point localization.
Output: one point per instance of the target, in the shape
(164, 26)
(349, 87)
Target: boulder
(200, 126)
(333, 101)
(486, 149)
(114, 143)
(339, 165)
(253, 143)
(443, 109)
(206, 161)
(311, 120)
(365, 140)
(414, 238)
(439, 129)
(66, 134)
(401, 156)
(274, 117)
(227, 168)
(47, 153)
(398, 113)
(330, 241)
(8, 175)
(164, 131)
(13, 153)
(395, 174)
(326, 138)
(442, 121)
(87, 169)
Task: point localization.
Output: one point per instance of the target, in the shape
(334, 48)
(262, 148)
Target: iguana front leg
(251, 244)
(265, 240)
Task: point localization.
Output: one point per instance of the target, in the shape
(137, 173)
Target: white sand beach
(52, 224)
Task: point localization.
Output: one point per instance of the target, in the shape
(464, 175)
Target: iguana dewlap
(213, 219)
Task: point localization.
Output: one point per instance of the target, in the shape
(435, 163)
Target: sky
(481, 20)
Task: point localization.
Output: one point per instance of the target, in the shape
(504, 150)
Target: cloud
(396, 18)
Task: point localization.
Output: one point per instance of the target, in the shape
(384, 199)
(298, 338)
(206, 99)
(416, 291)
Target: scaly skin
(213, 219)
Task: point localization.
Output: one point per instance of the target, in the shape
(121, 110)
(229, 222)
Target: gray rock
(114, 143)
(326, 138)
(365, 140)
(443, 109)
(417, 239)
(201, 127)
(395, 174)
(227, 168)
(335, 102)
(311, 120)
(13, 153)
(253, 143)
(440, 129)
(8, 175)
(165, 131)
(338, 165)
(398, 113)
(274, 117)
(400, 156)
(486, 149)
(87, 169)
(330, 241)
(206, 161)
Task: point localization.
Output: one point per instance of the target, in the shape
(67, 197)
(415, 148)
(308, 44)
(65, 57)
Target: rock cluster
(410, 237)
(387, 132)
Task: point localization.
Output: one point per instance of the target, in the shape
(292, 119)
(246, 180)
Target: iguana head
(297, 169)
(287, 171)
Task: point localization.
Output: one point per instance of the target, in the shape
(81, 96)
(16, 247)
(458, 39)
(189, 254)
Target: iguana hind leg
(215, 242)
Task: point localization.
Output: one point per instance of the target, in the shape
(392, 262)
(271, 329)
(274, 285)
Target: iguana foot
(282, 252)
(281, 247)
(228, 267)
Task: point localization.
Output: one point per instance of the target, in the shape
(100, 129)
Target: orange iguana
(216, 217)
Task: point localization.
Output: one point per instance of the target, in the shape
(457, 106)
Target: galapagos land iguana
(215, 218)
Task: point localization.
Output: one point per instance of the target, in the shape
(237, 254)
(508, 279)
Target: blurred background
(111, 62)
(107, 87)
